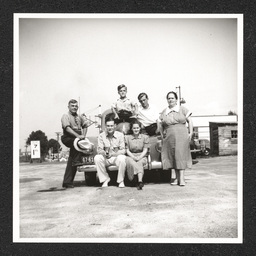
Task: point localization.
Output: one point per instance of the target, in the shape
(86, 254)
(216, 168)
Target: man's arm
(135, 109)
(84, 131)
(100, 147)
(115, 112)
(157, 117)
(85, 124)
(65, 122)
(72, 132)
(158, 126)
(121, 150)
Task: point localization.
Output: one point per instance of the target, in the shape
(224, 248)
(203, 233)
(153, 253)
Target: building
(201, 124)
(223, 138)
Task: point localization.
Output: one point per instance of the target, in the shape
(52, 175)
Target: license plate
(88, 160)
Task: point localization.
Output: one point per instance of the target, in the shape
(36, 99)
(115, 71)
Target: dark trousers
(151, 129)
(70, 171)
(124, 116)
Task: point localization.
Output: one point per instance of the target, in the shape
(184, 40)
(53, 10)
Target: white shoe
(105, 183)
(121, 185)
(175, 182)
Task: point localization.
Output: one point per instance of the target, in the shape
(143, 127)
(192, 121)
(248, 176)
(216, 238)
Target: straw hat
(83, 145)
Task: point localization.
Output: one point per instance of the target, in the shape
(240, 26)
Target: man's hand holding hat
(83, 145)
(81, 137)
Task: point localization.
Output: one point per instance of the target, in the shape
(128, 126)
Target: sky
(87, 58)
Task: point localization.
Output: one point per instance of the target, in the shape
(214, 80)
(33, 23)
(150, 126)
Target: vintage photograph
(128, 128)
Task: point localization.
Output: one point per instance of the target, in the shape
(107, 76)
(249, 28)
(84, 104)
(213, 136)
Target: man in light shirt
(148, 115)
(111, 151)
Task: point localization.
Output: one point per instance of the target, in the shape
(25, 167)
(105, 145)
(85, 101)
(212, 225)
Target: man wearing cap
(74, 126)
(148, 115)
(111, 151)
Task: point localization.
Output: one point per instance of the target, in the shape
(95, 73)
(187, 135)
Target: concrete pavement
(205, 208)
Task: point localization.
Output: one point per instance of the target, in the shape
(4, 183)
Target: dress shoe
(105, 183)
(68, 186)
(175, 182)
(121, 185)
(140, 185)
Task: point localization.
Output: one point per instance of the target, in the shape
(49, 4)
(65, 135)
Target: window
(233, 134)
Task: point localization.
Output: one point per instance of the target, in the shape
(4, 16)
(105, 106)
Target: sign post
(35, 150)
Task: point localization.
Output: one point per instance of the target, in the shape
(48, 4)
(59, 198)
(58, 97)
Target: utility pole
(98, 119)
(58, 136)
(79, 106)
(26, 152)
(181, 100)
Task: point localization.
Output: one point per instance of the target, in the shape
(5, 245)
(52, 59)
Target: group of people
(128, 151)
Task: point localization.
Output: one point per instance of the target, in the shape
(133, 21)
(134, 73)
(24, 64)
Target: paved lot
(205, 208)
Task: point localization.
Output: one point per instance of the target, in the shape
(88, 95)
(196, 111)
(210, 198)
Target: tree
(54, 144)
(231, 113)
(39, 135)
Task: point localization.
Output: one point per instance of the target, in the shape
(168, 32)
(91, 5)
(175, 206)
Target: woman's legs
(140, 177)
(140, 163)
(140, 183)
(131, 168)
(174, 178)
(180, 179)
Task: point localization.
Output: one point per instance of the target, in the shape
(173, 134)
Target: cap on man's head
(119, 87)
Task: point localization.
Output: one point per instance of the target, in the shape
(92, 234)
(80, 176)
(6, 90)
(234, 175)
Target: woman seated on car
(137, 145)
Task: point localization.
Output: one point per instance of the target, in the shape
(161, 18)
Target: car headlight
(158, 146)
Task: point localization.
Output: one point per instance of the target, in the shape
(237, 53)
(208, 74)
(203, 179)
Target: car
(194, 148)
(200, 146)
(87, 165)
(205, 146)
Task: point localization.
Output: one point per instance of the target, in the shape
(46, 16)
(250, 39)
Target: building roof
(201, 121)
(222, 123)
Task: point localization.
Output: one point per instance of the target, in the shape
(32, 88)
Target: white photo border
(16, 203)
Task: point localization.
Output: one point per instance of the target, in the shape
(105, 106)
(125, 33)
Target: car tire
(207, 152)
(193, 154)
(90, 178)
(165, 176)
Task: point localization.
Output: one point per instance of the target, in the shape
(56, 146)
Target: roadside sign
(35, 149)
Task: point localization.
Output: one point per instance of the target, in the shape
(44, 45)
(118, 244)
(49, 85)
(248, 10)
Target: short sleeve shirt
(176, 115)
(148, 116)
(136, 145)
(123, 104)
(114, 143)
(75, 122)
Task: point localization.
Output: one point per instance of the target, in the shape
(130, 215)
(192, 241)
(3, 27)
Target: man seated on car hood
(111, 151)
